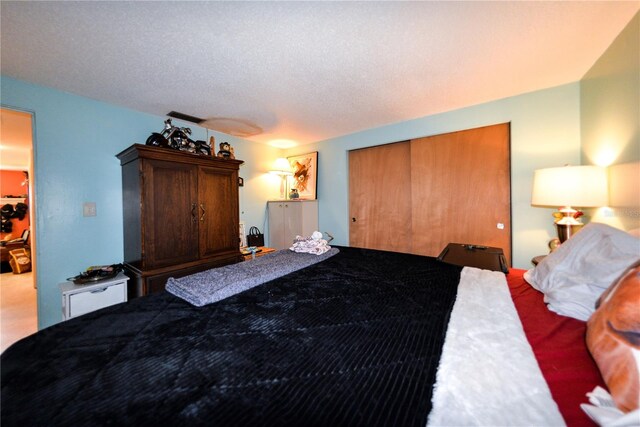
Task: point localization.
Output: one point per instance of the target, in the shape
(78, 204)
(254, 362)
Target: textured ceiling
(305, 71)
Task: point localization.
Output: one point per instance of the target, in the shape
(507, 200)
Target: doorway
(18, 290)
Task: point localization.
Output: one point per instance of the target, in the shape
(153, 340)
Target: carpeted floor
(18, 313)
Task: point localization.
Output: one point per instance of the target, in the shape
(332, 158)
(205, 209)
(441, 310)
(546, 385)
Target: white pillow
(575, 275)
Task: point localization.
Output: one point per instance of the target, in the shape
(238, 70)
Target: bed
(356, 339)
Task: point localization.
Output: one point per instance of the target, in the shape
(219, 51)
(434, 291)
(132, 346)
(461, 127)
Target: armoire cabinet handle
(194, 217)
(203, 211)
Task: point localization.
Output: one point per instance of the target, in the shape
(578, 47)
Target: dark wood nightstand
(484, 257)
(537, 259)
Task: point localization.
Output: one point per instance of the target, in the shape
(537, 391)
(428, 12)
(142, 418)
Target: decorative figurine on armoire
(226, 151)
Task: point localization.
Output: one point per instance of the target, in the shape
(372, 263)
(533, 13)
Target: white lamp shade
(579, 186)
(281, 167)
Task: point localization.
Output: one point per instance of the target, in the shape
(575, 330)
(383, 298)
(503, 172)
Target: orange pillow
(613, 335)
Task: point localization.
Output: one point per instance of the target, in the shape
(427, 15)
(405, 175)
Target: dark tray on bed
(468, 255)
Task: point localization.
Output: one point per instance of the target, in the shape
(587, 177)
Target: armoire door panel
(170, 229)
(461, 192)
(380, 197)
(218, 191)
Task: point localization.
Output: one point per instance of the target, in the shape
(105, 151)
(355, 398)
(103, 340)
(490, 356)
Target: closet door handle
(203, 212)
(194, 217)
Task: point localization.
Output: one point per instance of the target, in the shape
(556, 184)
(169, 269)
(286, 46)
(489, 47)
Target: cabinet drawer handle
(203, 211)
(194, 217)
(97, 291)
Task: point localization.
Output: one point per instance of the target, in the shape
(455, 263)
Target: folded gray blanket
(219, 283)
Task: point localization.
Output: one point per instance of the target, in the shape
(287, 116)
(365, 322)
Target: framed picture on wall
(305, 174)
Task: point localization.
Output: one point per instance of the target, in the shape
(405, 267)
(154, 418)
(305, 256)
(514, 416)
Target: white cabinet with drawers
(80, 299)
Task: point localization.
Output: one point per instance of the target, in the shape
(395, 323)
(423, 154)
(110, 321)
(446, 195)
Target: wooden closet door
(218, 215)
(380, 197)
(461, 190)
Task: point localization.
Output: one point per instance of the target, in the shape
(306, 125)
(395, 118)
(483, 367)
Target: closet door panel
(380, 197)
(461, 191)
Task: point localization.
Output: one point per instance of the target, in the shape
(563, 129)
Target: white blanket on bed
(488, 374)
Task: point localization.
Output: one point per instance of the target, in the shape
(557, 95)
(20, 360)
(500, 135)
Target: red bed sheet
(558, 343)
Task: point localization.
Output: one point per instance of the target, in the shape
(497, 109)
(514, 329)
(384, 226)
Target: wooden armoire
(181, 215)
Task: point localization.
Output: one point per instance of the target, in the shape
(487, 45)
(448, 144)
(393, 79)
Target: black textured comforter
(354, 340)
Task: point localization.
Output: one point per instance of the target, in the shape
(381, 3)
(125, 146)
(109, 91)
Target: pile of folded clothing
(311, 245)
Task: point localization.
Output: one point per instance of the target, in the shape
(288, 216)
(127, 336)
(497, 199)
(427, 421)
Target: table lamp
(568, 187)
(282, 168)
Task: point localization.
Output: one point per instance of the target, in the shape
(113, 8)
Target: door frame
(33, 233)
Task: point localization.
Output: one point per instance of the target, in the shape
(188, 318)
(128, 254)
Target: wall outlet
(89, 209)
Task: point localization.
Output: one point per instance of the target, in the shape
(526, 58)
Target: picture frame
(243, 235)
(305, 175)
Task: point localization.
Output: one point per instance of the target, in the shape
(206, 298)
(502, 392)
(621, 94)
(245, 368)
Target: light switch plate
(89, 209)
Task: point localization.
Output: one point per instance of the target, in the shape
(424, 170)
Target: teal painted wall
(545, 132)
(610, 116)
(75, 143)
(610, 102)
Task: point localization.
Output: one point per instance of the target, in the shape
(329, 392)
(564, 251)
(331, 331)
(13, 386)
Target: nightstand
(80, 299)
(537, 259)
(263, 251)
(478, 256)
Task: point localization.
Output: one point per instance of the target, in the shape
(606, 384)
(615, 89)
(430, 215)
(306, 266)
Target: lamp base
(567, 222)
(565, 231)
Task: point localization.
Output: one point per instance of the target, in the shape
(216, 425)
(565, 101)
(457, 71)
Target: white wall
(545, 132)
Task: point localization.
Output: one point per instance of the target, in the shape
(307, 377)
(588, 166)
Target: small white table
(80, 299)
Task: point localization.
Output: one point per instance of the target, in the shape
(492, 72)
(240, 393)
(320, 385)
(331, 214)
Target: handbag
(255, 238)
